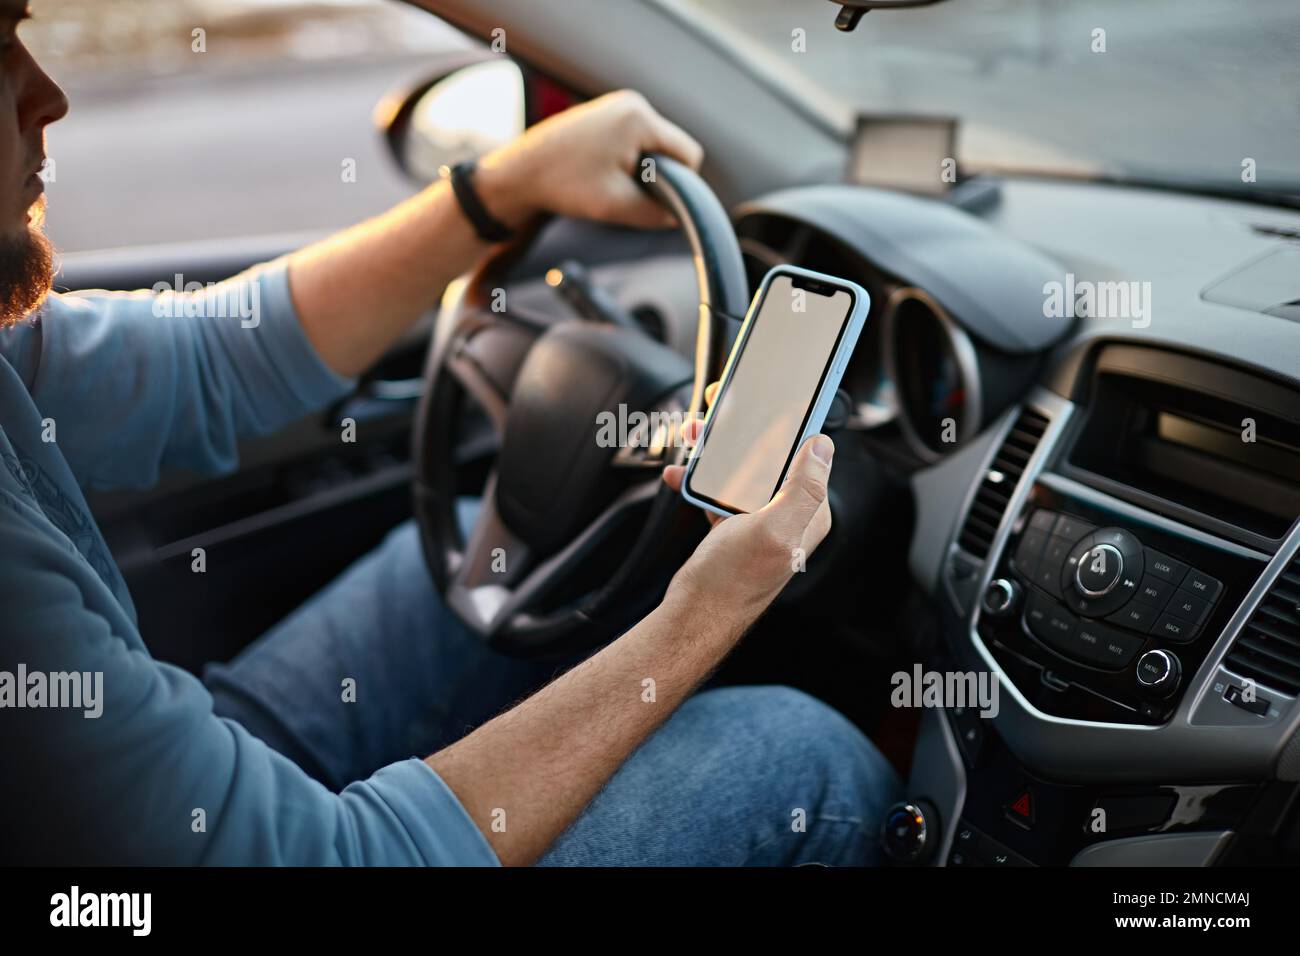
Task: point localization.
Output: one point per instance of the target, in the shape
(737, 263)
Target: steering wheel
(555, 501)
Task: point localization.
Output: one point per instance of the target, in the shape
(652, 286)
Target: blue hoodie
(109, 390)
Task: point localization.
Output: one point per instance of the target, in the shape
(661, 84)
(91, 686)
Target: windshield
(1197, 92)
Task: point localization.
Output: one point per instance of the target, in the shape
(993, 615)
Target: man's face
(29, 101)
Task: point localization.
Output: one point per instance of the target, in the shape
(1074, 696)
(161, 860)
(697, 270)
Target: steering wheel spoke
(484, 355)
(479, 385)
(492, 560)
(497, 576)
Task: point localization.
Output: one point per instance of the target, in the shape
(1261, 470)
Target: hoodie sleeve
(139, 770)
(142, 382)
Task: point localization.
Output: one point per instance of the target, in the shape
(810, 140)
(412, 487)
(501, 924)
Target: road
(224, 155)
(247, 135)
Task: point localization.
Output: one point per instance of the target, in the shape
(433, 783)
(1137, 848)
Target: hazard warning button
(1020, 809)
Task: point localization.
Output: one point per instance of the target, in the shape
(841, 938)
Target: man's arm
(139, 384)
(526, 775)
(139, 770)
(136, 384)
(357, 292)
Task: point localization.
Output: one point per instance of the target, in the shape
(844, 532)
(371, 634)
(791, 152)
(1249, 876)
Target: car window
(1195, 92)
(218, 118)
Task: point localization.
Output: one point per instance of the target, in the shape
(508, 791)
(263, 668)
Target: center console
(1130, 574)
(1104, 621)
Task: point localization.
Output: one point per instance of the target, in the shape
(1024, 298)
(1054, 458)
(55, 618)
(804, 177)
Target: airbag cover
(553, 476)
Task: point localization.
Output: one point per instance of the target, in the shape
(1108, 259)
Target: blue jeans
(739, 775)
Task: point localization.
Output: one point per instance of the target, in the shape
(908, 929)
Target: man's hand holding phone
(747, 559)
(763, 433)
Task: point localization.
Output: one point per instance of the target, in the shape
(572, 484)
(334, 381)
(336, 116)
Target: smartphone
(776, 389)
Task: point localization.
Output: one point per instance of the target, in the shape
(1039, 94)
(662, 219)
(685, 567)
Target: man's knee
(792, 736)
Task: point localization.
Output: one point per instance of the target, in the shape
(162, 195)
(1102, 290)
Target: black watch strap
(488, 227)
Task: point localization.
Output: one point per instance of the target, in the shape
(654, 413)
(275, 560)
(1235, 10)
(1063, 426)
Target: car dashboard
(1105, 502)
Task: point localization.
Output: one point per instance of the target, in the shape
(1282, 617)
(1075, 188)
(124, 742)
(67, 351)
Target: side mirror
(457, 116)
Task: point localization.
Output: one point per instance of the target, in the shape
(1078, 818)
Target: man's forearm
(357, 292)
(527, 774)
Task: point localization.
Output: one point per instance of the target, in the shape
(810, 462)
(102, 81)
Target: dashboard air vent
(1268, 649)
(999, 482)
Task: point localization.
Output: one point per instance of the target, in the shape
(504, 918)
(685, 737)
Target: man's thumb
(805, 484)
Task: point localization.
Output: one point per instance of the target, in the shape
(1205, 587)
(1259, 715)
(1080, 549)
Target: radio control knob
(1001, 598)
(1158, 672)
(1099, 570)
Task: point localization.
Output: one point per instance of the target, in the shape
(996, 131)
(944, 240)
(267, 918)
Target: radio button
(1031, 546)
(1055, 553)
(1188, 606)
(1165, 567)
(1072, 528)
(1048, 578)
(1154, 591)
(1043, 520)
(1175, 629)
(1135, 615)
(1202, 585)
(1050, 623)
(1105, 646)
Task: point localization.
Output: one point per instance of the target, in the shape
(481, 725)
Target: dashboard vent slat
(1268, 648)
(1291, 576)
(999, 482)
(1261, 645)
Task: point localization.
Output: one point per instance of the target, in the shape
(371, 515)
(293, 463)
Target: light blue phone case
(822, 404)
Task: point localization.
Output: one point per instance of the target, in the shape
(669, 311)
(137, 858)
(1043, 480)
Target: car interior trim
(964, 354)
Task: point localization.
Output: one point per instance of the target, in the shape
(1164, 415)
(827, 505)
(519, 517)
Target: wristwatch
(488, 227)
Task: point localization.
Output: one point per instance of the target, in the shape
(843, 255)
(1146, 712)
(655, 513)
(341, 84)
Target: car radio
(1099, 617)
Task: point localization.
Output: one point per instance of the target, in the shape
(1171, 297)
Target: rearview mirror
(460, 115)
(851, 11)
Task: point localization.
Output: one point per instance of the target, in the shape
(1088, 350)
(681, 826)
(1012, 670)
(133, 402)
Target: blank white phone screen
(773, 385)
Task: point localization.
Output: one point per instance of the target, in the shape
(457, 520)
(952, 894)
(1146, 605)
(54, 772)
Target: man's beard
(26, 269)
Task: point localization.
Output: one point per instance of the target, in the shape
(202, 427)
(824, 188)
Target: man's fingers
(628, 205)
(692, 427)
(654, 132)
(668, 137)
(673, 477)
(803, 494)
(690, 431)
(642, 212)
